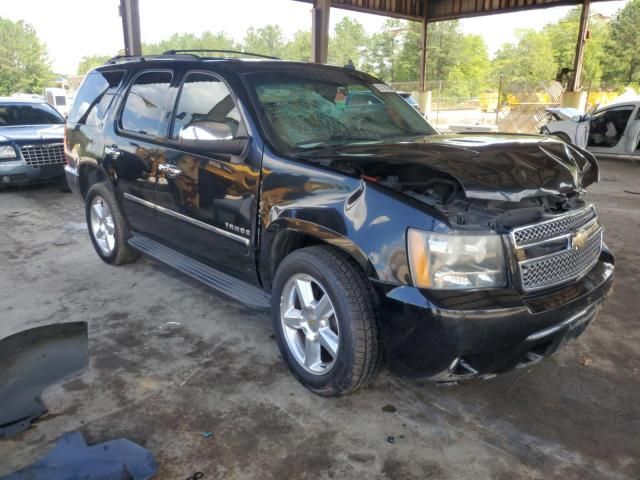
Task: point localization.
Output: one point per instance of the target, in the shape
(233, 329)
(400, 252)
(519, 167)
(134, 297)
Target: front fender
(367, 221)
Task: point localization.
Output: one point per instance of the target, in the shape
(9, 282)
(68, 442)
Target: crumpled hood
(491, 167)
(31, 133)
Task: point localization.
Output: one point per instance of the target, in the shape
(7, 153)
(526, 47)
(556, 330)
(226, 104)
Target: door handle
(169, 170)
(112, 151)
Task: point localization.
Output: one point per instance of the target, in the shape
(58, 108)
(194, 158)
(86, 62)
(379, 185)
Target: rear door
(208, 201)
(132, 149)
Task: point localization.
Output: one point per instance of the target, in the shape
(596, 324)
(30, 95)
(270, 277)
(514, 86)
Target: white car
(611, 131)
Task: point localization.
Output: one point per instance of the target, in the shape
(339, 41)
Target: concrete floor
(573, 416)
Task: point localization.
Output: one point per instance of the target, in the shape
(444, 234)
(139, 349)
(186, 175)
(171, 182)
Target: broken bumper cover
(453, 336)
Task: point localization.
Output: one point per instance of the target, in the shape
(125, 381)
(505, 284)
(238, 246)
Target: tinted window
(94, 97)
(205, 110)
(146, 103)
(60, 100)
(28, 114)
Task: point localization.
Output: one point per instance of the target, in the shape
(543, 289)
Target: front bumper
(17, 172)
(73, 179)
(454, 336)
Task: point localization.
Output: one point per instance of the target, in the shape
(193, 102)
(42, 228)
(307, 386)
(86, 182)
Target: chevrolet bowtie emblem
(579, 238)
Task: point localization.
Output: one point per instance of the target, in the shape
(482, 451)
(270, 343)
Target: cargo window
(146, 104)
(95, 96)
(205, 110)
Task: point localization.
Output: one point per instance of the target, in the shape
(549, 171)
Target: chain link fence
(490, 106)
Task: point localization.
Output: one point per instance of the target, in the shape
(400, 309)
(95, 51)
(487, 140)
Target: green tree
(299, 48)
(186, 41)
(622, 62)
(349, 42)
(444, 49)
(469, 74)
(461, 61)
(563, 36)
(383, 49)
(89, 62)
(24, 66)
(267, 40)
(407, 62)
(531, 59)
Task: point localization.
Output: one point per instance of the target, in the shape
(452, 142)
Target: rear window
(146, 104)
(28, 114)
(95, 96)
(60, 100)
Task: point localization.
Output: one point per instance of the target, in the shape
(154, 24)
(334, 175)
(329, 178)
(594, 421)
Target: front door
(207, 202)
(608, 130)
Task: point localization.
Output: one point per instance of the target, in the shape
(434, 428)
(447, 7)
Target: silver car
(31, 142)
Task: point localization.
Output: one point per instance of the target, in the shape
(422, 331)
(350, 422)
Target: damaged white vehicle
(611, 131)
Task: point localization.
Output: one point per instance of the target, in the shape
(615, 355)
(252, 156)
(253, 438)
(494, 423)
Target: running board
(220, 281)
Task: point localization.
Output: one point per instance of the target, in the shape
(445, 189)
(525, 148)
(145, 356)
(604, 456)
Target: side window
(146, 104)
(205, 110)
(94, 97)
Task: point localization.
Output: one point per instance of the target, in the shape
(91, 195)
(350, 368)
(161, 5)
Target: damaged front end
(516, 265)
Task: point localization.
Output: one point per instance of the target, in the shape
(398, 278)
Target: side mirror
(206, 131)
(577, 118)
(233, 146)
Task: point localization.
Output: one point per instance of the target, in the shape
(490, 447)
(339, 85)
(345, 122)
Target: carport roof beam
(443, 9)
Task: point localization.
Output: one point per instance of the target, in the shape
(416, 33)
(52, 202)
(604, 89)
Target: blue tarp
(73, 459)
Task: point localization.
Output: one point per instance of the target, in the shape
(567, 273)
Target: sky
(72, 29)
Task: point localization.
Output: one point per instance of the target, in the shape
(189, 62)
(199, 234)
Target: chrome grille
(574, 241)
(553, 228)
(561, 267)
(41, 155)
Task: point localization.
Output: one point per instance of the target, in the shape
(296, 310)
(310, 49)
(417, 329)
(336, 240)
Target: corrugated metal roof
(443, 9)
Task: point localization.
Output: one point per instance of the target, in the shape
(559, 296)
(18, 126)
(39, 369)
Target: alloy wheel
(309, 324)
(102, 225)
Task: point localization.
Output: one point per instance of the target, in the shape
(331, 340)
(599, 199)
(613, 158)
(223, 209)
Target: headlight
(7, 151)
(456, 262)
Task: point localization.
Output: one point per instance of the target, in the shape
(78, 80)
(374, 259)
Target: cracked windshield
(309, 111)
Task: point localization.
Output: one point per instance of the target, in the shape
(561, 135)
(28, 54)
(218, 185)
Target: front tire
(107, 226)
(325, 322)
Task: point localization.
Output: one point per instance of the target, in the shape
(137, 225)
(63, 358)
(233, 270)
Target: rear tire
(344, 325)
(107, 226)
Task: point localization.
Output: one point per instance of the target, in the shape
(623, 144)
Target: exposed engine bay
(445, 194)
(448, 197)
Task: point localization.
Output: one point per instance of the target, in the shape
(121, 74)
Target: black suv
(369, 235)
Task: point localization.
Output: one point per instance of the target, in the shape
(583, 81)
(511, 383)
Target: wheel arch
(90, 173)
(287, 235)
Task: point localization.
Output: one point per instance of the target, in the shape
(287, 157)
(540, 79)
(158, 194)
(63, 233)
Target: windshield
(28, 114)
(321, 108)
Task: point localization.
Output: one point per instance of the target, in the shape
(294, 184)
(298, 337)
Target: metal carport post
(130, 13)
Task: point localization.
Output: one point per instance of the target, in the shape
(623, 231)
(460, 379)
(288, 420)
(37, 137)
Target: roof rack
(205, 50)
(127, 58)
(180, 53)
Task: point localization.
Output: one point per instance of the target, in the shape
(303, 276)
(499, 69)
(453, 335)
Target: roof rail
(154, 56)
(206, 50)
